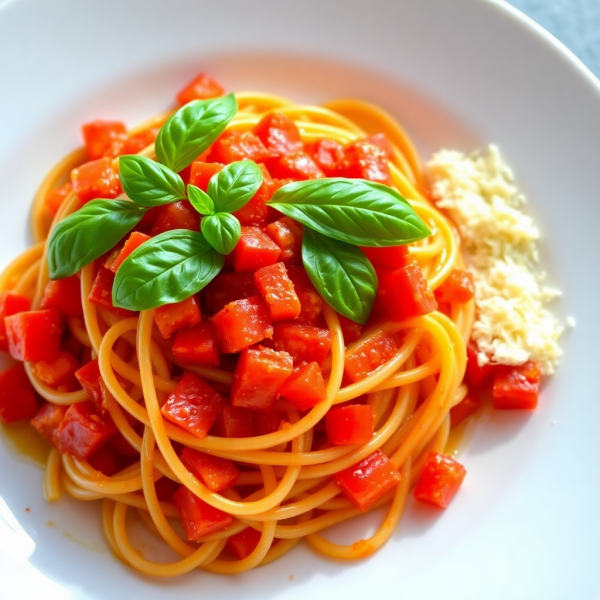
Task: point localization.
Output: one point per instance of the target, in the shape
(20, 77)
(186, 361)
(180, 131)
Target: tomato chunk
(106, 460)
(305, 343)
(516, 387)
(243, 323)
(59, 371)
(382, 142)
(226, 288)
(137, 142)
(310, 301)
(56, 197)
(96, 179)
(193, 405)
(201, 173)
(198, 518)
(392, 257)
(101, 293)
(63, 295)
(173, 317)
(17, 396)
(83, 431)
(365, 160)
(267, 421)
(305, 388)
(242, 544)
(34, 335)
(350, 330)
(10, 304)
(177, 215)
(475, 375)
(255, 211)
(232, 146)
(327, 154)
(234, 422)
(199, 88)
(465, 408)
(102, 137)
(279, 134)
(216, 473)
(287, 234)
(259, 375)
(440, 480)
(198, 345)
(254, 250)
(369, 480)
(91, 381)
(134, 241)
(296, 165)
(405, 294)
(277, 290)
(352, 424)
(47, 420)
(457, 287)
(368, 355)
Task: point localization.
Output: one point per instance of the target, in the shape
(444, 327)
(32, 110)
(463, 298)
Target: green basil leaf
(192, 129)
(342, 274)
(352, 210)
(88, 233)
(222, 231)
(200, 200)
(234, 185)
(149, 183)
(166, 269)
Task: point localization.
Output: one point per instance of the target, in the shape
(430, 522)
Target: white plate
(526, 524)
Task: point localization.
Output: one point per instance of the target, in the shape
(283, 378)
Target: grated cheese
(500, 242)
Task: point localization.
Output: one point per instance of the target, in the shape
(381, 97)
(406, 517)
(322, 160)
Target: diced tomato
(201, 173)
(63, 295)
(465, 408)
(305, 343)
(305, 387)
(173, 317)
(279, 134)
(475, 375)
(226, 288)
(368, 355)
(350, 329)
(254, 250)
(382, 142)
(193, 405)
(234, 422)
(405, 294)
(440, 480)
(134, 144)
(10, 304)
(56, 197)
(96, 179)
(243, 323)
(232, 146)
(277, 290)
(457, 287)
(310, 301)
(134, 241)
(214, 472)
(327, 154)
(17, 396)
(255, 211)
(392, 257)
(83, 431)
(123, 448)
(177, 215)
(259, 376)
(516, 387)
(287, 234)
(365, 160)
(34, 335)
(198, 518)
(101, 136)
(242, 544)
(369, 480)
(101, 293)
(198, 345)
(91, 381)
(297, 165)
(352, 424)
(106, 460)
(200, 88)
(47, 420)
(58, 371)
(166, 489)
(267, 421)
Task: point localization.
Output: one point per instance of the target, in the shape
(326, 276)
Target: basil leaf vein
(166, 269)
(200, 200)
(355, 211)
(234, 185)
(222, 231)
(342, 275)
(88, 233)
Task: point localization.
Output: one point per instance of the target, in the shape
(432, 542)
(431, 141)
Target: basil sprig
(342, 274)
(354, 211)
(222, 231)
(89, 233)
(234, 185)
(166, 269)
(200, 200)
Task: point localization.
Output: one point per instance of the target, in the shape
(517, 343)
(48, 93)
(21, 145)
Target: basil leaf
(192, 129)
(352, 210)
(222, 231)
(166, 269)
(88, 233)
(200, 200)
(234, 185)
(148, 183)
(342, 275)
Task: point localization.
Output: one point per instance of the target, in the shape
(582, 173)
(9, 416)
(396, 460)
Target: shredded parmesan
(500, 242)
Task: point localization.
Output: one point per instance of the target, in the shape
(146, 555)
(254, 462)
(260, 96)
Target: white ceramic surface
(458, 73)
